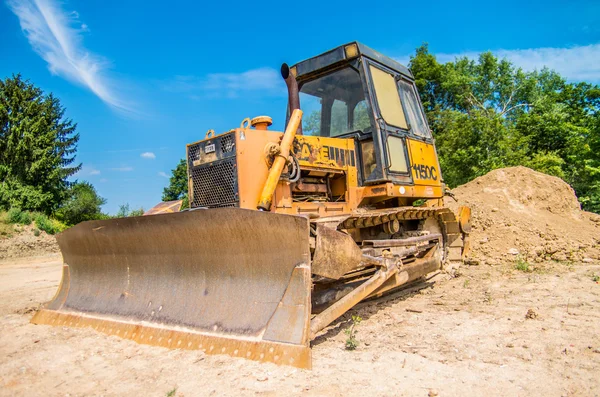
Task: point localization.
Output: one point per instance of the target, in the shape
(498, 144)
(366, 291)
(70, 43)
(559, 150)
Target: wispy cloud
(148, 155)
(94, 172)
(266, 80)
(57, 36)
(122, 169)
(578, 63)
(163, 174)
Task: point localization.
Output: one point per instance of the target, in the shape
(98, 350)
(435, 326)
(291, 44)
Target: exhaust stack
(293, 93)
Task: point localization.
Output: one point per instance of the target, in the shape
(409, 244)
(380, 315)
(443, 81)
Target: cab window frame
(419, 108)
(355, 65)
(386, 129)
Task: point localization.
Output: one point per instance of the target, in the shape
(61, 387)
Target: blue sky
(143, 78)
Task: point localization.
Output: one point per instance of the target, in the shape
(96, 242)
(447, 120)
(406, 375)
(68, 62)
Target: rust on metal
(401, 242)
(410, 272)
(293, 92)
(464, 219)
(148, 334)
(310, 187)
(336, 253)
(388, 269)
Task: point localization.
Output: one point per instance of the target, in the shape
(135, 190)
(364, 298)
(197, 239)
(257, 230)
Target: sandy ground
(468, 335)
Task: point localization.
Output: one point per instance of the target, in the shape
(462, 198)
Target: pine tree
(37, 147)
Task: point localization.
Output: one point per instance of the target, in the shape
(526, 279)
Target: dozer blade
(225, 281)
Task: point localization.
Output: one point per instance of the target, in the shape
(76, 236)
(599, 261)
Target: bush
(15, 215)
(139, 212)
(83, 204)
(50, 226)
(125, 211)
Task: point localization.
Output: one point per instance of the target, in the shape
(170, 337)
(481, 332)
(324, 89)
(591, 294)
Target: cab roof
(339, 55)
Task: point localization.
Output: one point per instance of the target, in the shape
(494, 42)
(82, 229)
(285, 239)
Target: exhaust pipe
(293, 93)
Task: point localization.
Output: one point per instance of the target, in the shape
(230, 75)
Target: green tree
(37, 147)
(311, 125)
(339, 119)
(82, 204)
(487, 114)
(178, 184)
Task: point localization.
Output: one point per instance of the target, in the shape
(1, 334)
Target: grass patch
(11, 220)
(523, 265)
(6, 230)
(172, 392)
(15, 215)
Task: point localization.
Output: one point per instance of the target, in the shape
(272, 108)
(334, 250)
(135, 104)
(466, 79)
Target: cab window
(334, 104)
(417, 123)
(388, 98)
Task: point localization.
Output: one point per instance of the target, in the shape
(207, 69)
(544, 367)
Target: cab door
(392, 124)
(410, 155)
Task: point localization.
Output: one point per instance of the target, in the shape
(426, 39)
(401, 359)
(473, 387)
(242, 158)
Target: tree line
(486, 113)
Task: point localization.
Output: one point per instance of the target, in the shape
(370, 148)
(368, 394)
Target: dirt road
(492, 331)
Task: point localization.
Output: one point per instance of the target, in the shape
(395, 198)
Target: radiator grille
(215, 185)
(194, 152)
(227, 143)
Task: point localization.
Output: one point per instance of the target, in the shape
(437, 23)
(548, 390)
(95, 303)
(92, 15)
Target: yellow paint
(323, 156)
(279, 161)
(316, 151)
(424, 163)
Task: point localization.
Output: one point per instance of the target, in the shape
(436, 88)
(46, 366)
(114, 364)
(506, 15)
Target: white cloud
(122, 169)
(87, 170)
(266, 80)
(163, 174)
(577, 63)
(57, 37)
(580, 63)
(148, 155)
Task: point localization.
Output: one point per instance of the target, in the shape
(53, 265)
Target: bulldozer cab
(353, 91)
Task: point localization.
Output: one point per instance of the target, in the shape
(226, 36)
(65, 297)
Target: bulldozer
(284, 232)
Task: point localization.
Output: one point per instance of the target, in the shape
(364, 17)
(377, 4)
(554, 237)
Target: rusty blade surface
(233, 275)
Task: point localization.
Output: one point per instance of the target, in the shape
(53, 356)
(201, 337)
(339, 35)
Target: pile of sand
(24, 243)
(521, 213)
